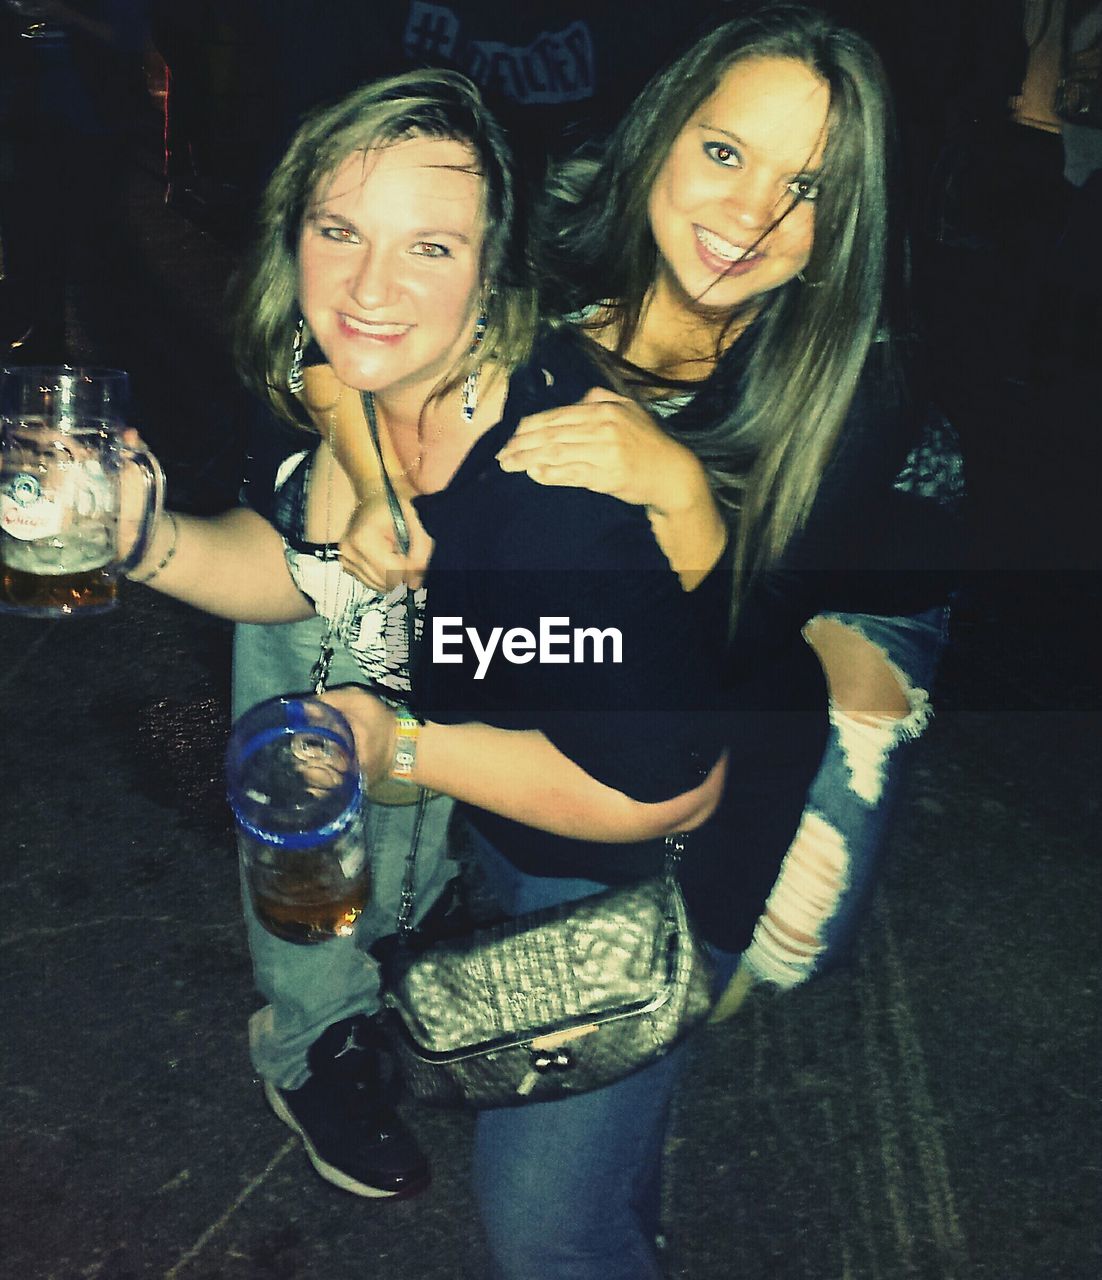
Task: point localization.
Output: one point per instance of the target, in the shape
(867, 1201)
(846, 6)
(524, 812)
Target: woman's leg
(570, 1189)
(566, 1188)
(311, 1043)
(879, 671)
(309, 988)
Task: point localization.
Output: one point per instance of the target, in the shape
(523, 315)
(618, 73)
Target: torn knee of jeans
(873, 704)
(867, 741)
(814, 874)
(867, 689)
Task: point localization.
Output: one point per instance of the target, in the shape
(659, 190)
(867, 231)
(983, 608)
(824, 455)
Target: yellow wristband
(406, 729)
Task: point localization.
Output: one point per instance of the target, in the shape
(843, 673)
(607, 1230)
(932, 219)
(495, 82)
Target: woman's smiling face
(389, 264)
(732, 209)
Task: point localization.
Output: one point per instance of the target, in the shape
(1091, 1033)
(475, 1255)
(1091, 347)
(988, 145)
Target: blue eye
(804, 189)
(723, 153)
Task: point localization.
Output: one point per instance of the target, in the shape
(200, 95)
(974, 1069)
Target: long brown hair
(434, 104)
(767, 441)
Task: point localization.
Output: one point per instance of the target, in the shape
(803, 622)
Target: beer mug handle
(154, 504)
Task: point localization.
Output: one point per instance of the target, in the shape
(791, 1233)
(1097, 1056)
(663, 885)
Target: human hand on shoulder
(609, 444)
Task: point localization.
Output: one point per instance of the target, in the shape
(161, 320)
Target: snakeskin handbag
(552, 1003)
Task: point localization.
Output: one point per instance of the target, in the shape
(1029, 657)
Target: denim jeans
(572, 1189)
(849, 806)
(308, 988)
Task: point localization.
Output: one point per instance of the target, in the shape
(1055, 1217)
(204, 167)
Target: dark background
(931, 1112)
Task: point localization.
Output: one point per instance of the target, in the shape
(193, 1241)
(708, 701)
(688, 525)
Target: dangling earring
(294, 375)
(470, 382)
(811, 284)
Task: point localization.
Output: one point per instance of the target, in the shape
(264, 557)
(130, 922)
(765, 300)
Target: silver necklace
(319, 673)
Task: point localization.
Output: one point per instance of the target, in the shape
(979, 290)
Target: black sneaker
(352, 1136)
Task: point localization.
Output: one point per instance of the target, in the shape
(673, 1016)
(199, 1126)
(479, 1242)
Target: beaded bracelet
(166, 558)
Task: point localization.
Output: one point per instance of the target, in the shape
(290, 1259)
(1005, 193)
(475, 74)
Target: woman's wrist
(682, 484)
(162, 548)
(690, 528)
(403, 756)
(392, 778)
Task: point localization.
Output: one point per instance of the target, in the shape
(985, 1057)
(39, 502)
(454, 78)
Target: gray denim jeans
(308, 988)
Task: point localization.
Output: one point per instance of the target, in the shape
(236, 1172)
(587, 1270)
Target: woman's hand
(609, 444)
(369, 547)
(373, 727)
(133, 499)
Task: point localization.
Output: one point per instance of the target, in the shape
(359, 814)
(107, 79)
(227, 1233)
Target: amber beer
(58, 572)
(54, 593)
(293, 783)
(62, 459)
(299, 901)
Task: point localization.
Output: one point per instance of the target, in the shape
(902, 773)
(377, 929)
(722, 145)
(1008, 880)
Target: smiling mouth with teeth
(374, 328)
(724, 248)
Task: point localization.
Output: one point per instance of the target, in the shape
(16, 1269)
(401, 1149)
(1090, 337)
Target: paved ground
(930, 1115)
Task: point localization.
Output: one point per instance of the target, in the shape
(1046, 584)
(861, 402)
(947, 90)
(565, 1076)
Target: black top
(881, 538)
(510, 553)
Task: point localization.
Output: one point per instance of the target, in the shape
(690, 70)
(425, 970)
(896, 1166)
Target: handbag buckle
(551, 1053)
(554, 1060)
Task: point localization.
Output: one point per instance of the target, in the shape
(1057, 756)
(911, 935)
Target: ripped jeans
(824, 883)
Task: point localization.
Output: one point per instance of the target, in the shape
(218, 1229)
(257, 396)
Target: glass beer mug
(294, 786)
(61, 464)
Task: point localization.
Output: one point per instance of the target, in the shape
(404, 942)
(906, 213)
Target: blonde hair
(434, 104)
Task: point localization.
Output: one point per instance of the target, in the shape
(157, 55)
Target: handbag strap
(675, 847)
(408, 894)
(398, 518)
(407, 897)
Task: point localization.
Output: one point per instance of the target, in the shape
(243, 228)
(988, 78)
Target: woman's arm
(522, 775)
(368, 547)
(231, 565)
(519, 774)
(610, 444)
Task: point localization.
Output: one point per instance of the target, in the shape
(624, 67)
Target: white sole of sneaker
(327, 1171)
